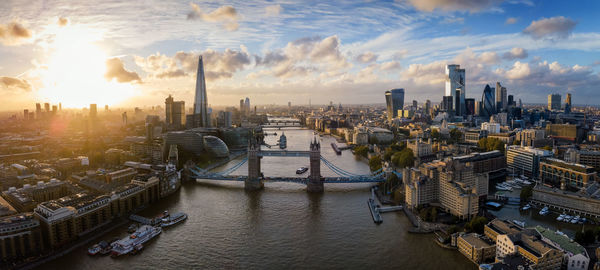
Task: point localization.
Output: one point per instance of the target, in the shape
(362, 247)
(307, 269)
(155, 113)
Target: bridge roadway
(283, 153)
(300, 180)
(280, 126)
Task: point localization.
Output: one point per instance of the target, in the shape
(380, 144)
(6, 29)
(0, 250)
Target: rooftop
(563, 241)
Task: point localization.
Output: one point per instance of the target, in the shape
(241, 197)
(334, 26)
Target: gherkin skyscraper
(200, 101)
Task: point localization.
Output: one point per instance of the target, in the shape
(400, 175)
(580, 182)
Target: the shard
(200, 102)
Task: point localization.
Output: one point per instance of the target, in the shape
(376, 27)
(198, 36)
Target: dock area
(374, 211)
(390, 209)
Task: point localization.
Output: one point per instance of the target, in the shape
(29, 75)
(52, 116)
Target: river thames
(280, 227)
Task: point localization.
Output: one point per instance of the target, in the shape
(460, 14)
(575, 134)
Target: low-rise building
(476, 248)
(529, 245)
(25, 199)
(559, 172)
(586, 201)
(576, 257)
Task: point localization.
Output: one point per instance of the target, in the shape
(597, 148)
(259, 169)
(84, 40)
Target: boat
(168, 219)
(105, 248)
(544, 211)
(142, 235)
(283, 141)
(575, 220)
(560, 217)
(567, 218)
(503, 187)
(301, 170)
(520, 223)
(336, 149)
(93, 250)
(526, 207)
(132, 228)
(582, 220)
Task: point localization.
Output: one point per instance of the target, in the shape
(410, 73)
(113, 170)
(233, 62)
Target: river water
(280, 227)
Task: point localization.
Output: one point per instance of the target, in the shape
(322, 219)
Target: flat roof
(563, 241)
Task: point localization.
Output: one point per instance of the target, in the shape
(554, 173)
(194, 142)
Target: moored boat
(93, 250)
(301, 170)
(140, 236)
(173, 219)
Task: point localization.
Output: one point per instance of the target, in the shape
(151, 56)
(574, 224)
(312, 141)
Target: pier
(144, 220)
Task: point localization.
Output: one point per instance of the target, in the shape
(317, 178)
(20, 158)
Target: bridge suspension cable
(341, 172)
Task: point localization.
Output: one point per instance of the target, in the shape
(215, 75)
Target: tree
(526, 193)
(490, 144)
(362, 150)
(389, 152)
(455, 136)
(476, 225)
(375, 163)
(579, 237)
(435, 135)
(404, 158)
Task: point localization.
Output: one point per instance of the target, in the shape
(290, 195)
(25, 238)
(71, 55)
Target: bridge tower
(315, 183)
(254, 181)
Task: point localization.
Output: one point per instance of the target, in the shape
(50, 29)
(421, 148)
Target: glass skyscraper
(488, 101)
(200, 101)
(394, 100)
(455, 87)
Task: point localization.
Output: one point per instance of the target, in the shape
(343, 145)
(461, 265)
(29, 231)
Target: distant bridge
(314, 182)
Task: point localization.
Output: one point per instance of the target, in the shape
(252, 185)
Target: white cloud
(367, 57)
(273, 10)
(226, 14)
(515, 53)
(14, 33)
(453, 5)
(555, 27)
(511, 20)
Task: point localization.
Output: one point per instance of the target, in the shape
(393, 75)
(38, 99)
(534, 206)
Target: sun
(74, 71)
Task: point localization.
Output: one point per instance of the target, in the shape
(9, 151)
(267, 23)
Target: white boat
(520, 223)
(544, 211)
(95, 249)
(561, 217)
(575, 220)
(567, 218)
(283, 141)
(582, 220)
(168, 219)
(140, 236)
(526, 207)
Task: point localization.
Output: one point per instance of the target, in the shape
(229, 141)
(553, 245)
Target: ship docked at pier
(135, 241)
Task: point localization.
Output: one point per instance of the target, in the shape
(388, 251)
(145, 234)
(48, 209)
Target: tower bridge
(314, 182)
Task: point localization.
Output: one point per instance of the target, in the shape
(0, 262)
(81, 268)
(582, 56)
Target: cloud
(392, 65)
(227, 14)
(217, 65)
(116, 70)
(515, 53)
(511, 20)
(273, 10)
(11, 83)
(453, 5)
(62, 21)
(367, 57)
(555, 27)
(458, 20)
(14, 33)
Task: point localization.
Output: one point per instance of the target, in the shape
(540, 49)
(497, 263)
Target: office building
(500, 227)
(528, 137)
(488, 101)
(25, 199)
(585, 157)
(46, 107)
(447, 104)
(528, 244)
(470, 106)
(554, 102)
(568, 100)
(93, 111)
(38, 110)
(201, 100)
(394, 100)
(525, 160)
(456, 87)
(561, 173)
(247, 105)
(491, 128)
(501, 98)
(586, 201)
(564, 132)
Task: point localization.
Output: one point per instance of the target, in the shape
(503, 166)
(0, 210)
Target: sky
(136, 53)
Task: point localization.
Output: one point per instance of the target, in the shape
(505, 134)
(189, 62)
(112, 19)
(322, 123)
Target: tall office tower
(487, 101)
(427, 106)
(511, 101)
(478, 108)
(60, 106)
(26, 114)
(54, 109)
(568, 100)
(554, 102)
(290, 105)
(456, 87)
(169, 110)
(124, 117)
(106, 108)
(520, 104)
(247, 105)
(93, 111)
(242, 110)
(38, 110)
(415, 104)
(447, 104)
(46, 107)
(201, 102)
(394, 100)
(470, 106)
(178, 115)
(501, 99)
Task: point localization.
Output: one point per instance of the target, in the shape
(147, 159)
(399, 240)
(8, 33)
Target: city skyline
(534, 48)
